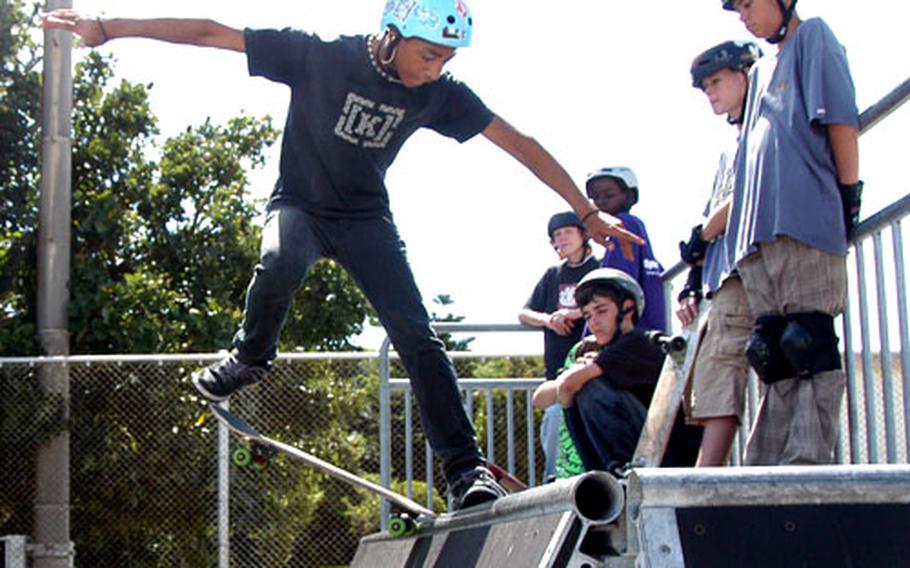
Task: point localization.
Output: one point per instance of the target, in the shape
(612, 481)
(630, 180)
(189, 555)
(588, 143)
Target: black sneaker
(474, 487)
(218, 381)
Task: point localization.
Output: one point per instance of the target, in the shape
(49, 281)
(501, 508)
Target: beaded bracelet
(588, 214)
(103, 31)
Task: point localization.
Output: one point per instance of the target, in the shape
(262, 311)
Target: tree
(20, 93)
(444, 300)
(162, 249)
(163, 245)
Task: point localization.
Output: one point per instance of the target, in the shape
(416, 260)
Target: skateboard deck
(402, 523)
(508, 481)
(668, 394)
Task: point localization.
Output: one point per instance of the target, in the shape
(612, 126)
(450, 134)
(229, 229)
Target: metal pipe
(595, 497)
(51, 530)
(409, 444)
(510, 430)
(898, 239)
(852, 388)
(885, 106)
(777, 485)
(529, 424)
(868, 375)
(224, 494)
(385, 429)
(885, 351)
(491, 446)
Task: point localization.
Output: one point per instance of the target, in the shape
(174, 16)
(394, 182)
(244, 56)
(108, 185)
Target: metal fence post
(385, 428)
(224, 494)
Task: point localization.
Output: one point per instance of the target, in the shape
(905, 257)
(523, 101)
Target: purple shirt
(645, 269)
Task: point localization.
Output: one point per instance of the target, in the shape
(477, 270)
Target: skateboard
(508, 481)
(668, 394)
(407, 514)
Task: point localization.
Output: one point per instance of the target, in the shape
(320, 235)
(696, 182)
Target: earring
(393, 51)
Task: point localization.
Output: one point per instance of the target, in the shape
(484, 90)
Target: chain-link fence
(145, 453)
(145, 458)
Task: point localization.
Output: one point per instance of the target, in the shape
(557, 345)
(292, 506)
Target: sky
(597, 83)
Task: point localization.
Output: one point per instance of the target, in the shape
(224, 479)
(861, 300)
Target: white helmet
(622, 174)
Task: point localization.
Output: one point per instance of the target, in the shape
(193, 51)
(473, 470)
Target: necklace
(372, 48)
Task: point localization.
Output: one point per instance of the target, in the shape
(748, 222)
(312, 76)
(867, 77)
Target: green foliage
(164, 241)
(444, 300)
(324, 408)
(20, 96)
(31, 419)
(164, 238)
(362, 508)
(138, 448)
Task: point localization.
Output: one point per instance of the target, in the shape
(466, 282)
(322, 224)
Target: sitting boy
(606, 391)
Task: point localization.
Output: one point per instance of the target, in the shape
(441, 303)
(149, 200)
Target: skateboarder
(716, 394)
(355, 100)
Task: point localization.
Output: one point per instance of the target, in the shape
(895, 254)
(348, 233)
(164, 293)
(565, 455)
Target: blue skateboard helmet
(443, 22)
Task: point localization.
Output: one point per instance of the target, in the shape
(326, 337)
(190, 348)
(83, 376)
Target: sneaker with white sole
(475, 487)
(219, 380)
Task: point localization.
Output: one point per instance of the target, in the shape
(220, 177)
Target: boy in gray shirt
(798, 160)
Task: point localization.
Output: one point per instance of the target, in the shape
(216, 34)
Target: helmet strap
(736, 121)
(620, 317)
(787, 13)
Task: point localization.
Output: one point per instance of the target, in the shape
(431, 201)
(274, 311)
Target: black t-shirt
(346, 123)
(554, 291)
(632, 362)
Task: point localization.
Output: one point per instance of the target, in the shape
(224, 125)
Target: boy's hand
(573, 379)
(562, 321)
(602, 226)
(91, 30)
(687, 311)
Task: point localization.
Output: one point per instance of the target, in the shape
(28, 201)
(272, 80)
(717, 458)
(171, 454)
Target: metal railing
(519, 460)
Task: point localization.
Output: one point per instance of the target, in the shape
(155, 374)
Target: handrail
(885, 106)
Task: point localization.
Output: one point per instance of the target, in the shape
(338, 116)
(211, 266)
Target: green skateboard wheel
(242, 457)
(401, 526)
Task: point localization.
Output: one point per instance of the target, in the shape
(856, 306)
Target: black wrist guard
(693, 285)
(851, 198)
(693, 250)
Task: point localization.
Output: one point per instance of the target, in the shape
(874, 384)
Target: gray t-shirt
(786, 181)
(718, 258)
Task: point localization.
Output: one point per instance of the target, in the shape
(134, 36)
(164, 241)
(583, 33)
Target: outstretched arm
(530, 153)
(96, 31)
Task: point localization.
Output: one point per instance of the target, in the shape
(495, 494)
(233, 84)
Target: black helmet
(735, 55)
(620, 281)
(566, 219)
(786, 12)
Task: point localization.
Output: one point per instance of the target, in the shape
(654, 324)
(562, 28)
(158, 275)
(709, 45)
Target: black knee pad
(810, 344)
(764, 352)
